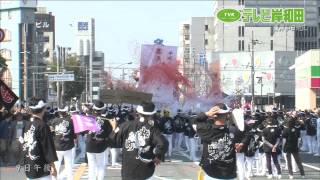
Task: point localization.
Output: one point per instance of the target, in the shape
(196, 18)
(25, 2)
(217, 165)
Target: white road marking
(310, 166)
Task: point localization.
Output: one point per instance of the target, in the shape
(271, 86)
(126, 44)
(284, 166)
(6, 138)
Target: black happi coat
(218, 157)
(38, 148)
(141, 142)
(63, 133)
(97, 142)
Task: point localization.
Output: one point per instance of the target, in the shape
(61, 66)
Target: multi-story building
(97, 73)
(17, 18)
(44, 49)
(85, 39)
(195, 40)
(307, 37)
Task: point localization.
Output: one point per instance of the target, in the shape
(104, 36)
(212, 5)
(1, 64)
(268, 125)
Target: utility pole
(58, 84)
(63, 59)
(86, 84)
(252, 71)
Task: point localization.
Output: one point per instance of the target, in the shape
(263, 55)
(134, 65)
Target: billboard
(44, 22)
(235, 71)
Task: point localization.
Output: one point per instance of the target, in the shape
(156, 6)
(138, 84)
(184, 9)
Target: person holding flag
(64, 140)
(96, 143)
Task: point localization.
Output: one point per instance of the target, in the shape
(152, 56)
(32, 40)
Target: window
(319, 11)
(186, 37)
(272, 31)
(206, 42)
(241, 31)
(206, 27)
(239, 45)
(242, 27)
(309, 30)
(319, 27)
(296, 46)
(319, 42)
(271, 45)
(242, 43)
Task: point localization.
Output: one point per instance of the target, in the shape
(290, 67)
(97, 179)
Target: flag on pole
(84, 123)
(7, 97)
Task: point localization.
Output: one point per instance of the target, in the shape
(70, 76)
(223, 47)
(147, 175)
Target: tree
(71, 88)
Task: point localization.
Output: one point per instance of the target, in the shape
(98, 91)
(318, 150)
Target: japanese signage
(44, 22)
(263, 15)
(83, 26)
(61, 77)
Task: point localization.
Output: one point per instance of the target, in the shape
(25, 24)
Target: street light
(253, 43)
(123, 68)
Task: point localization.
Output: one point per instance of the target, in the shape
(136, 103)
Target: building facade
(85, 40)
(17, 18)
(195, 38)
(44, 49)
(274, 82)
(97, 73)
(307, 82)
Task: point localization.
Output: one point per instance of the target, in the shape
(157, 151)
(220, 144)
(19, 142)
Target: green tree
(3, 61)
(72, 88)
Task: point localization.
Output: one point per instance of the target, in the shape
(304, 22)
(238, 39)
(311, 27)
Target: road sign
(61, 77)
(2, 35)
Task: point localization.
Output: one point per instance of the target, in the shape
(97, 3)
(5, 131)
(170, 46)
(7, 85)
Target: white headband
(40, 105)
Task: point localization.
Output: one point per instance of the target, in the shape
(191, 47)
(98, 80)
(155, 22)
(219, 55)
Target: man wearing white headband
(219, 153)
(96, 143)
(142, 144)
(64, 140)
(37, 144)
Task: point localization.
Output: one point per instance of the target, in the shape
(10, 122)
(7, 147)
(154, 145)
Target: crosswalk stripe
(79, 172)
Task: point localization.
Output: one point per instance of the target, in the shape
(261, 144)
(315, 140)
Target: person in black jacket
(179, 122)
(64, 141)
(167, 129)
(37, 144)
(143, 145)
(219, 152)
(271, 140)
(290, 136)
(97, 142)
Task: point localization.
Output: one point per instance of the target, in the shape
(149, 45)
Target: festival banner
(84, 123)
(7, 97)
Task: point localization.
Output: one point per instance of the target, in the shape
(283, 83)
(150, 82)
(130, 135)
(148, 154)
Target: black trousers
(274, 156)
(296, 157)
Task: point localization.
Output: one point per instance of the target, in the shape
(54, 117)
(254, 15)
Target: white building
(17, 19)
(85, 40)
(195, 38)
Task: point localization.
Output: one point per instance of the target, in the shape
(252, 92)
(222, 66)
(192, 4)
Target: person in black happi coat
(143, 145)
(38, 145)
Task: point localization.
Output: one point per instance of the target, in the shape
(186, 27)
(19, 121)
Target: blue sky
(121, 25)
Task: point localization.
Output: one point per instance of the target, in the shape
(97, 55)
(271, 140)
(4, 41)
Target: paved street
(180, 168)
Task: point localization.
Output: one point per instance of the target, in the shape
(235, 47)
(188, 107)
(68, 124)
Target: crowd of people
(137, 138)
